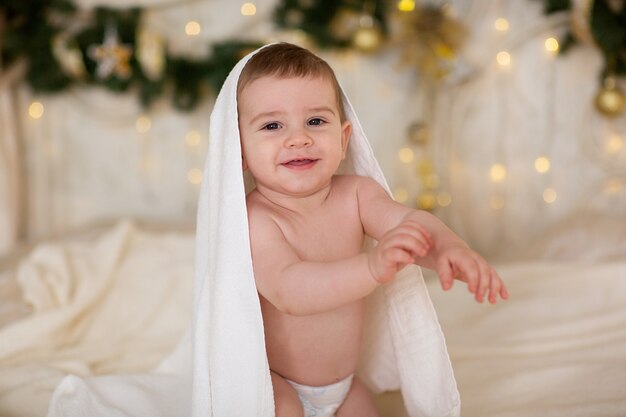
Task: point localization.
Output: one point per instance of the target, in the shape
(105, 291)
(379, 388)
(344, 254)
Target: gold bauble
(344, 24)
(610, 100)
(418, 133)
(367, 39)
(294, 18)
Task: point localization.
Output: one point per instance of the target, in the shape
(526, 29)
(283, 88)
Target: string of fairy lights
(418, 153)
(193, 138)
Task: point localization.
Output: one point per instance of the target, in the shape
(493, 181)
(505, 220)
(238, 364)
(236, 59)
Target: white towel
(220, 368)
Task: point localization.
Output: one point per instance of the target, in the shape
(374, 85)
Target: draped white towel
(220, 367)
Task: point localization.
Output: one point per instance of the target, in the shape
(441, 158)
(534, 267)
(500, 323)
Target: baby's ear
(346, 132)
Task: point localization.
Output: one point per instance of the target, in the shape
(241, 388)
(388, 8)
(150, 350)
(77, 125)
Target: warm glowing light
(148, 165)
(35, 110)
(248, 9)
(431, 180)
(424, 168)
(501, 25)
(497, 173)
(406, 155)
(503, 58)
(496, 202)
(552, 45)
(194, 176)
(614, 144)
(542, 164)
(193, 28)
(406, 5)
(444, 199)
(401, 194)
(143, 124)
(192, 138)
(614, 187)
(549, 195)
(426, 201)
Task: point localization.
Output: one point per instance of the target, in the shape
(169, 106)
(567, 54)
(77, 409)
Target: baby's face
(292, 137)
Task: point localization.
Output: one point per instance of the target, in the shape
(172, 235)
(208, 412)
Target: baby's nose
(299, 140)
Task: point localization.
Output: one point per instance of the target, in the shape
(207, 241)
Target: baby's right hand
(398, 248)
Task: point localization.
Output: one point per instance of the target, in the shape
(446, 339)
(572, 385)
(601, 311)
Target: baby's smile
(300, 163)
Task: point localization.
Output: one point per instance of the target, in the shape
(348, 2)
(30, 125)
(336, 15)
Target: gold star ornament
(112, 57)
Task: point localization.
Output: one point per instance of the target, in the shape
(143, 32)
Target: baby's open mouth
(299, 162)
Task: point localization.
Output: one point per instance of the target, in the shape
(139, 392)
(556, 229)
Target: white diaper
(322, 401)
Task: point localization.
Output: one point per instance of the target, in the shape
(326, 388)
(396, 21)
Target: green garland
(321, 19)
(29, 28)
(32, 26)
(609, 31)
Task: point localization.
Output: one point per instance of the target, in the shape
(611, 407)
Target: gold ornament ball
(418, 133)
(345, 24)
(610, 100)
(367, 39)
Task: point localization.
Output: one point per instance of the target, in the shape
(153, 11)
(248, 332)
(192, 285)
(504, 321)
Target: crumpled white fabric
(220, 367)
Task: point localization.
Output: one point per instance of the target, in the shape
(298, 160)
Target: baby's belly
(314, 350)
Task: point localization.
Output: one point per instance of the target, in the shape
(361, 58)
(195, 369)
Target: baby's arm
(449, 255)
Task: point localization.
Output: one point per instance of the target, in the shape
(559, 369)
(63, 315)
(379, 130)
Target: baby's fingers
(399, 257)
(446, 275)
(485, 281)
(423, 232)
(497, 288)
(409, 242)
(418, 231)
(504, 293)
(467, 270)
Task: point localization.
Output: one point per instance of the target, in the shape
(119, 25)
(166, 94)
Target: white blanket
(557, 348)
(222, 369)
(111, 303)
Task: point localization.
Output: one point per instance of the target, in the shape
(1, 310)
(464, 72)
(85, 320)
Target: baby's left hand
(457, 261)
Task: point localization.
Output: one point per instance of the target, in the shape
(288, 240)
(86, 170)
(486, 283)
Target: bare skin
(307, 228)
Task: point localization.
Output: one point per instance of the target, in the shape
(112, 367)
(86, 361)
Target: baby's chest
(327, 240)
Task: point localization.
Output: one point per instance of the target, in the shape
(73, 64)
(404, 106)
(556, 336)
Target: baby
(307, 231)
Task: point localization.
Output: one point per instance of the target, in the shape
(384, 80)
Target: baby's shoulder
(261, 218)
(355, 182)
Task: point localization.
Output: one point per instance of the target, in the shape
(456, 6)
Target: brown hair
(285, 60)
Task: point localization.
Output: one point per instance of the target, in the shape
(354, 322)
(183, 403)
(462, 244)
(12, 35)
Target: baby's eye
(271, 126)
(316, 122)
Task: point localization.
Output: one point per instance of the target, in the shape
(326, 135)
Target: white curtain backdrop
(87, 162)
(11, 173)
(541, 105)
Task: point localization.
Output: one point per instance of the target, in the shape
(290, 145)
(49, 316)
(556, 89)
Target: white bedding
(557, 348)
(118, 302)
(114, 304)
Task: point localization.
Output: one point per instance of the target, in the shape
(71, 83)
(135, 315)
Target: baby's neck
(298, 203)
